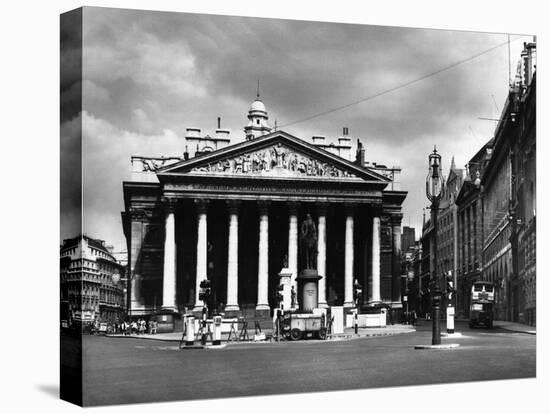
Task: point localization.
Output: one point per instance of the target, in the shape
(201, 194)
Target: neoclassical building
(90, 286)
(232, 214)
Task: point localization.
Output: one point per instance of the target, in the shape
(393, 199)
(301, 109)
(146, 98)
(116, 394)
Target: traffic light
(450, 284)
(357, 291)
(279, 293)
(205, 291)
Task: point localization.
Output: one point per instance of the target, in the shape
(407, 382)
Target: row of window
(100, 253)
(69, 252)
(499, 244)
(527, 252)
(85, 298)
(468, 239)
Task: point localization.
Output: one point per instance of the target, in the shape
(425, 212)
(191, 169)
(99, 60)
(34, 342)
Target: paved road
(120, 370)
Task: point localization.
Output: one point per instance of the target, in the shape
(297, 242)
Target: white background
(29, 235)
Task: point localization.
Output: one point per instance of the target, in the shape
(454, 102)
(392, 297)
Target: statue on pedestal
(308, 237)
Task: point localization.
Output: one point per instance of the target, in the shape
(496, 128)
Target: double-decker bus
(482, 300)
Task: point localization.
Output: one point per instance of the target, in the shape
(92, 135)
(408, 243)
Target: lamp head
(434, 180)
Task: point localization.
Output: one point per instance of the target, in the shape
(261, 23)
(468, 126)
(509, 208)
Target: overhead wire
(395, 88)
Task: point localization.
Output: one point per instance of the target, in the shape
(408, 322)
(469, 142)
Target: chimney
(186, 154)
(360, 154)
(344, 144)
(318, 140)
(192, 133)
(222, 138)
(344, 139)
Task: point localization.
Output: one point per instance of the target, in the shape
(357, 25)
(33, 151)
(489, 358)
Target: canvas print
(255, 206)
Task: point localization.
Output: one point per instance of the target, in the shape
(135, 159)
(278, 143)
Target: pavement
(515, 327)
(508, 326)
(349, 333)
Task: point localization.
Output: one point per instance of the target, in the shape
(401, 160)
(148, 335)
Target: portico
(233, 216)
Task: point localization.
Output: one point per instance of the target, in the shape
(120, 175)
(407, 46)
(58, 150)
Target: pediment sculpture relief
(275, 160)
(148, 164)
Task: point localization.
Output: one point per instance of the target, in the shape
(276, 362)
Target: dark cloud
(71, 177)
(149, 75)
(70, 64)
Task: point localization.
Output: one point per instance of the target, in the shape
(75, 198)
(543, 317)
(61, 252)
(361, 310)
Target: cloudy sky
(149, 75)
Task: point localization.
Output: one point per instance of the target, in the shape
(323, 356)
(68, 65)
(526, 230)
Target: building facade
(412, 282)
(469, 205)
(425, 266)
(447, 225)
(524, 187)
(486, 222)
(233, 215)
(509, 197)
(408, 239)
(91, 285)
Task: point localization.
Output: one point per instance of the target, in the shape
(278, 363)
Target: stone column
(396, 262)
(232, 303)
(169, 269)
(293, 244)
(202, 246)
(322, 255)
(375, 294)
(136, 303)
(263, 256)
(348, 256)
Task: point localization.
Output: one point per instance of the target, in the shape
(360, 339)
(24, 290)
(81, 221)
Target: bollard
(189, 330)
(278, 319)
(355, 321)
(203, 326)
(217, 328)
(450, 320)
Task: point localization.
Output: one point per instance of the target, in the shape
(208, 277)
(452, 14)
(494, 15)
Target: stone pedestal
(308, 295)
(166, 321)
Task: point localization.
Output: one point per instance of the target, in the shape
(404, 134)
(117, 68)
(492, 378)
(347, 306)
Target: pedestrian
(155, 325)
(133, 327)
(413, 317)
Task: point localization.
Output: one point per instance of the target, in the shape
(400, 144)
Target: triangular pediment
(276, 155)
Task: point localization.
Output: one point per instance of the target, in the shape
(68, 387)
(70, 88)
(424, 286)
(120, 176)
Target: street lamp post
(434, 184)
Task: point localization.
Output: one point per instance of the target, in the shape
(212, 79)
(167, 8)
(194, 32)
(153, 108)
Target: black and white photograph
(275, 205)
(311, 211)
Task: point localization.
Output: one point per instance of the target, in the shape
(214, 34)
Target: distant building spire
(258, 90)
(453, 166)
